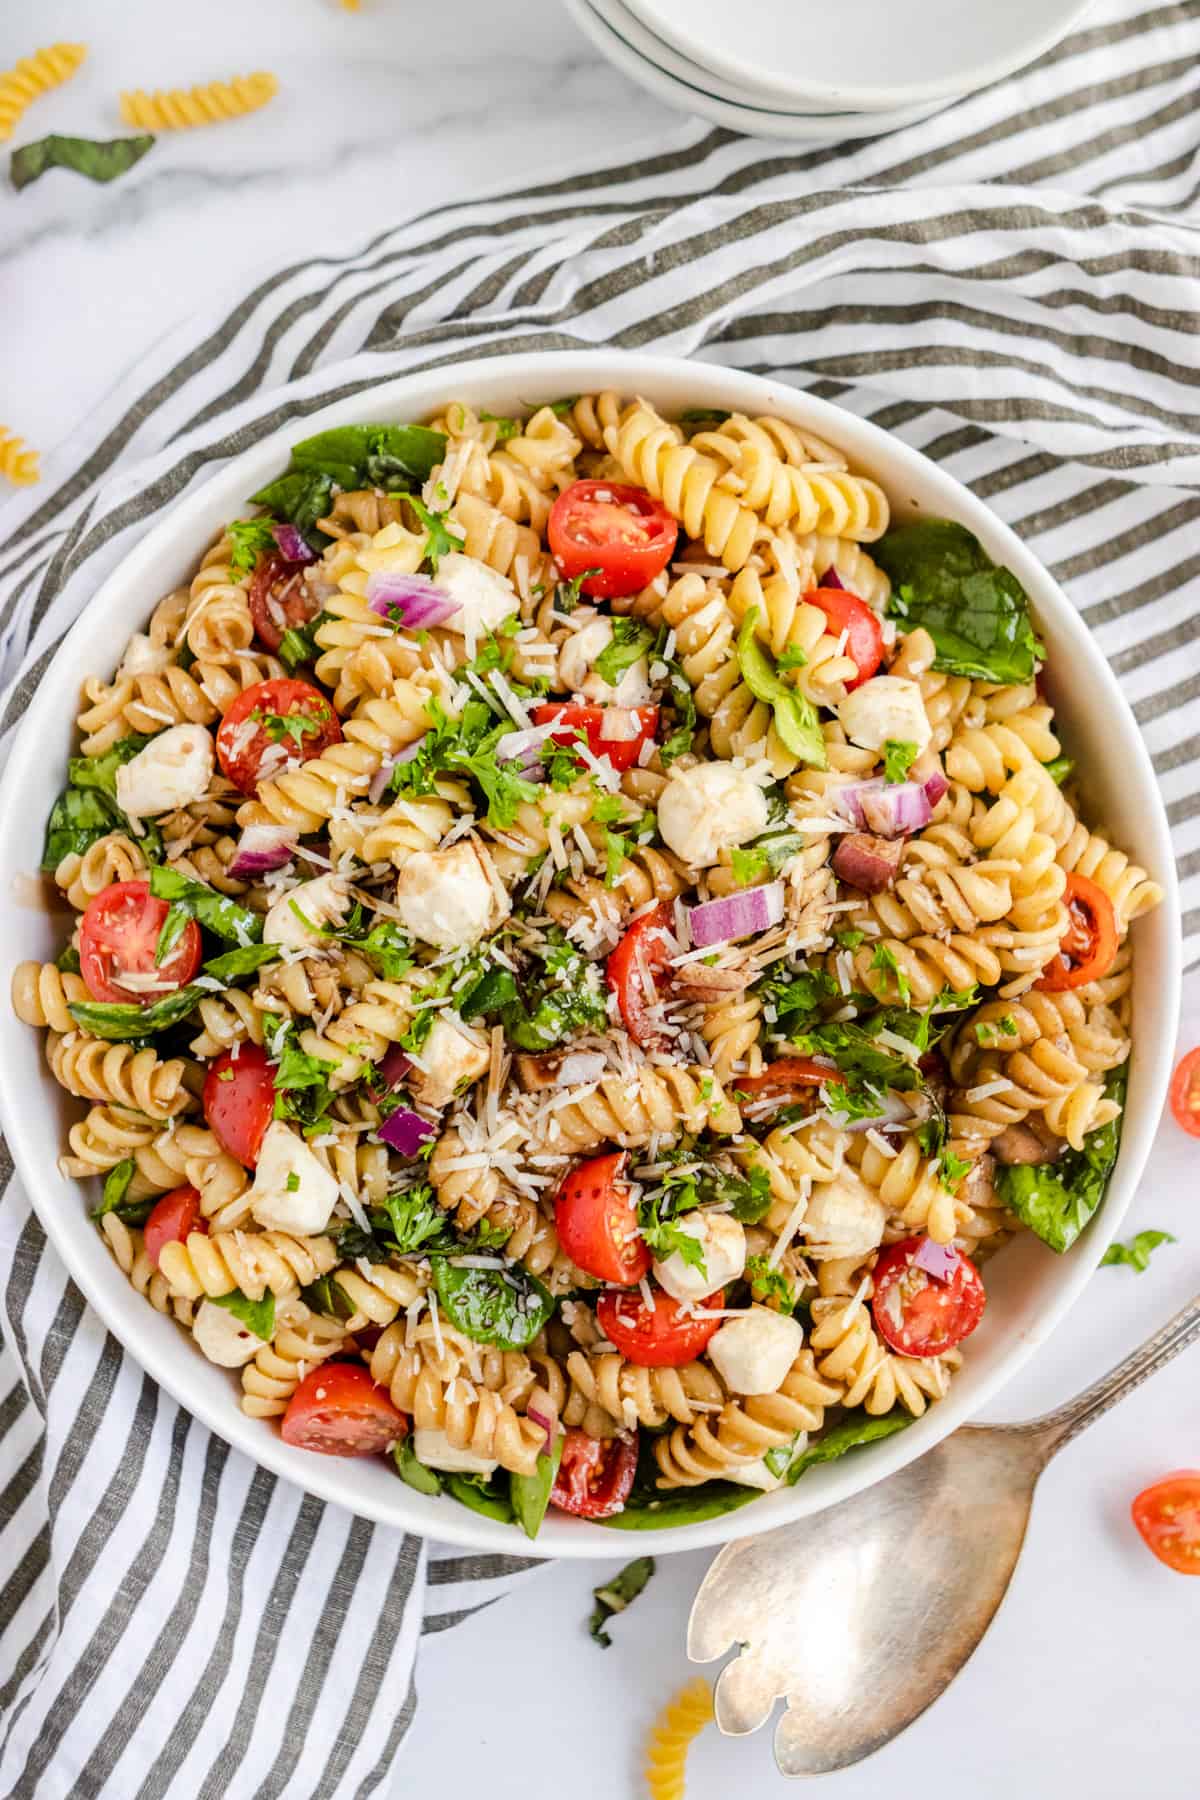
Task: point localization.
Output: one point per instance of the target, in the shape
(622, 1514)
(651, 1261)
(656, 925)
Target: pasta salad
(583, 942)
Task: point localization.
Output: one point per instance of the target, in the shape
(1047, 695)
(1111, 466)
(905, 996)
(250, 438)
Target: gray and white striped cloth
(1012, 287)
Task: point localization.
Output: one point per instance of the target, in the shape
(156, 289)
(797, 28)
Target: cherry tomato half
(662, 1336)
(1090, 943)
(280, 599)
(118, 938)
(273, 726)
(597, 1221)
(595, 1475)
(1168, 1517)
(619, 530)
(239, 1101)
(622, 753)
(173, 1218)
(921, 1313)
(631, 968)
(864, 634)
(1185, 1093)
(339, 1411)
(789, 1079)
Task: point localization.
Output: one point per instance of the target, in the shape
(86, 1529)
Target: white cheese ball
(447, 897)
(435, 1450)
(222, 1337)
(886, 709)
(753, 1354)
(576, 668)
(292, 1189)
(175, 768)
(144, 658)
(446, 1060)
(723, 1245)
(844, 1218)
(323, 902)
(484, 597)
(710, 808)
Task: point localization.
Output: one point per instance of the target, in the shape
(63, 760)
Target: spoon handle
(1066, 1422)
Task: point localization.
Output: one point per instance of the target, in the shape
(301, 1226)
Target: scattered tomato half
(172, 1221)
(339, 1411)
(272, 726)
(789, 1079)
(920, 1311)
(239, 1101)
(661, 1336)
(864, 633)
(1090, 943)
(1185, 1093)
(1168, 1517)
(597, 1221)
(619, 531)
(118, 937)
(621, 752)
(595, 1474)
(632, 968)
(280, 599)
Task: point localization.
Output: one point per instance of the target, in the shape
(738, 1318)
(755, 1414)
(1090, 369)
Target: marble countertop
(1087, 1679)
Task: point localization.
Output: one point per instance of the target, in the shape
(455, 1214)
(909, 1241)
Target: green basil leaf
(681, 1506)
(257, 1316)
(417, 1474)
(68, 960)
(630, 641)
(374, 455)
(1056, 1200)
(100, 772)
(244, 961)
(301, 497)
(99, 159)
(1136, 1255)
(854, 1429)
(325, 1296)
(116, 1186)
(483, 1494)
(530, 1494)
(218, 913)
(797, 721)
(506, 1307)
(976, 612)
(1059, 769)
(172, 929)
(119, 1022)
(78, 818)
(612, 1597)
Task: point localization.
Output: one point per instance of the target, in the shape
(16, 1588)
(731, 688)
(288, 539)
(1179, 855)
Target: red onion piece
(548, 1421)
(867, 863)
(394, 1066)
(406, 1131)
(262, 848)
(831, 579)
(896, 809)
(411, 600)
(929, 772)
(737, 915)
(938, 1260)
(292, 545)
(383, 773)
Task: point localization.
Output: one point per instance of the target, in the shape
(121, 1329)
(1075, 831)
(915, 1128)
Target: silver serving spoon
(838, 1614)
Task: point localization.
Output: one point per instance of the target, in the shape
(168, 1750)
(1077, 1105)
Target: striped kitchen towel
(1010, 286)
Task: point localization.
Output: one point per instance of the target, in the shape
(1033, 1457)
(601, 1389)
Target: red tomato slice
(620, 531)
(622, 753)
(173, 1218)
(597, 1222)
(239, 1101)
(919, 1313)
(789, 1080)
(1168, 1517)
(280, 599)
(1185, 1093)
(630, 970)
(595, 1475)
(1090, 944)
(273, 726)
(339, 1411)
(118, 937)
(864, 633)
(663, 1336)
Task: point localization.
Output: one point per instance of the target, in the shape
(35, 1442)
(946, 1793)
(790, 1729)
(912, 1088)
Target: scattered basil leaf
(1136, 1255)
(898, 758)
(298, 647)
(116, 1187)
(1056, 1200)
(486, 1494)
(119, 1022)
(506, 1307)
(851, 1431)
(976, 612)
(218, 913)
(301, 498)
(257, 1316)
(371, 455)
(530, 1494)
(244, 961)
(614, 1596)
(325, 1296)
(68, 960)
(99, 159)
(630, 641)
(170, 932)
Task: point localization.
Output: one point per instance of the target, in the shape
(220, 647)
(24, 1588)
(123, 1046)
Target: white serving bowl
(1029, 1288)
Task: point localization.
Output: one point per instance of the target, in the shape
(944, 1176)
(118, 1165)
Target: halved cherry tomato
(662, 1336)
(339, 1411)
(919, 1313)
(622, 753)
(273, 726)
(595, 1474)
(864, 634)
(630, 970)
(280, 599)
(1090, 943)
(1185, 1093)
(619, 530)
(792, 1078)
(239, 1100)
(172, 1220)
(1168, 1517)
(597, 1221)
(118, 937)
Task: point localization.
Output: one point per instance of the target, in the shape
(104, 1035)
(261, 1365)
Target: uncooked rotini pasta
(34, 75)
(678, 1725)
(566, 950)
(178, 109)
(18, 463)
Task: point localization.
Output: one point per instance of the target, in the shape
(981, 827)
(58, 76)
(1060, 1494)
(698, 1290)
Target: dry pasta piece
(178, 109)
(679, 1723)
(34, 75)
(18, 463)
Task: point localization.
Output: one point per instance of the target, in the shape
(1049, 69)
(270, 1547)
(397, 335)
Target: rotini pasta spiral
(41, 994)
(630, 1112)
(34, 75)
(254, 1261)
(136, 1079)
(652, 454)
(471, 1412)
(678, 1724)
(131, 1257)
(746, 1428)
(303, 1341)
(18, 463)
(179, 109)
(850, 1353)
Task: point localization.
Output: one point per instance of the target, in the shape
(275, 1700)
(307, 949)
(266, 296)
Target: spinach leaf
(495, 989)
(68, 960)
(98, 159)
(530, 1494)
(100, 772)
(77, 819)
(417, 1474)
(486, 1494)
(257, 1316)
(116, 1186)
(681, 1506)
(565, 998)
(325, 1296)
(615, 1595)
(216, 912)
(118, 1023)
(302, 1090)
(1136, 1255)
(371, 455)
(796, 719)
(298, 647)
(506, 1307)
(976, 612)
(301, 498)
(703, 415)
(678, 741)
(855, 1428)
(170, 932)
(243, 961)
(1058, 1199)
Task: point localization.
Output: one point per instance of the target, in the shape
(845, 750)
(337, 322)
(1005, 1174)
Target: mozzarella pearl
(447, 1059)
(435, 1450)
(323, 902)
(710, 808)
(175, 768)
(292, 1190)
(484, 597)
(723, 1245)
(844, 1218)
(446, 898)
(576, 668)
(222, 1337)
(753, 1354)
(144, 658)
(888, 708)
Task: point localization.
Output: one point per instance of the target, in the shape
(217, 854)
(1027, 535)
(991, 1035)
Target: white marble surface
(1087, 1681)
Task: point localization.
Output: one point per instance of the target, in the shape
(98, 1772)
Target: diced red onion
(406, 1131)
(394, 1066)
(262, 848)
(939, 1260)
(831, 579)
(415, 600)
(929, 772)
(548, 1420)
(736, 915)
(897, 809)
(383, 773)
(867, 863)
(292, 544)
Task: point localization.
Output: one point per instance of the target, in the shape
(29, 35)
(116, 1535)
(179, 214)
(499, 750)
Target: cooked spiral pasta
(178, 109)
(34, 75)
(131, 1257)
(870, 1375)
(652, 453)
(303, 1340)
(909, 1185)
(254, 1261)
(107, 1136)
(471, 1412)
(41, 994)
(630, 1112)
(136, 1079)
(746, 1428)
(630, 1395)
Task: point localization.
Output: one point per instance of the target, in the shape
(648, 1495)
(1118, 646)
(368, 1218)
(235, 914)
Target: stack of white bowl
(821, 69)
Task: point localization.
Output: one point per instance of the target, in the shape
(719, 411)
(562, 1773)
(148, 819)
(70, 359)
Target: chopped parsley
(250, 538)
(898, 758)
(952, 1169)
(770, 1284)
(439, 540)
(886, 962)
(630, 641)
(297, 726)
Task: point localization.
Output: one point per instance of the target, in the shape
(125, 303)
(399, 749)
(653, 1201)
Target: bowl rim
(154, 1341)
